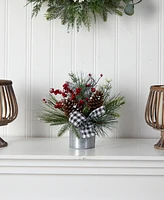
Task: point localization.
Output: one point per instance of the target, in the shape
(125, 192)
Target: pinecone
(96, 100)
(69, 106)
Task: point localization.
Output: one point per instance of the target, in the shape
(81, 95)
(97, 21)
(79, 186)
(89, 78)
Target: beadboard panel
(16, 55)
(3, 28)
(37, 55)
(4, 44)
(150, 50)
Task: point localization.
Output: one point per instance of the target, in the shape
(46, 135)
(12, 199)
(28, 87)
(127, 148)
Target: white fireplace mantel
(46, 168)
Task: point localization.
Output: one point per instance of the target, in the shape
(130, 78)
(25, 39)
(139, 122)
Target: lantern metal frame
(154, 113)
(8, 105)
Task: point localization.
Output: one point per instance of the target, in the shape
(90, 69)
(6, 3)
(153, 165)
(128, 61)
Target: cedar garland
(82, 12)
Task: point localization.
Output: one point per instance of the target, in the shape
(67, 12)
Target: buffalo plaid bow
(84, 125)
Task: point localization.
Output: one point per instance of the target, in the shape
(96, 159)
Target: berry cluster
(78, 94)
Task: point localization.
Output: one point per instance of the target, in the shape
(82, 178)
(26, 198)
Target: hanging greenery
(79, 12)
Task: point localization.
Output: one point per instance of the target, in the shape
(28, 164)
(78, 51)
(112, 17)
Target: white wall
(36, 55)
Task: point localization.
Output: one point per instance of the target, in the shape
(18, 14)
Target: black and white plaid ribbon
(83, 124)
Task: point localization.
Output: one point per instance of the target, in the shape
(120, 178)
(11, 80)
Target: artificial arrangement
(84, 107)
(78, 12)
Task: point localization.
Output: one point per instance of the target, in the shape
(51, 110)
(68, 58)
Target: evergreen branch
(63, 129)
(74, 130)
(114, 103)
(53, 117)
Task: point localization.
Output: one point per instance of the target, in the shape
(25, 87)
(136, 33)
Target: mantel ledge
(53, 156)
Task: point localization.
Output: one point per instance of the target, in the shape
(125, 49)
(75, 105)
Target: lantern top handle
(157, 87)
(5, 82)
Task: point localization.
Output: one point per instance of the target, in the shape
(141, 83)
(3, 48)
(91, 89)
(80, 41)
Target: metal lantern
(154, 113)
(8, 105)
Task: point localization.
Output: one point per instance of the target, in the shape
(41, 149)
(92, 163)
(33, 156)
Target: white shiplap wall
(36, 55)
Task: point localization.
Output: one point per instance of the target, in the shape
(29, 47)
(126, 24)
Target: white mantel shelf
(47, 169)
(53, 156)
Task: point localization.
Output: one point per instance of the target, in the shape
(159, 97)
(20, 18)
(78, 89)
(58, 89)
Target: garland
(79, 12)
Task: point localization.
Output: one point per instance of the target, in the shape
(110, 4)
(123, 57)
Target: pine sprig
(106, 89)
(53, 116)
(63, 129)
(36, 4)
(113, 104)
(74, 130)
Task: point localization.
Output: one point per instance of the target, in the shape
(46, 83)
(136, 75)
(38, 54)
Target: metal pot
(81, 143)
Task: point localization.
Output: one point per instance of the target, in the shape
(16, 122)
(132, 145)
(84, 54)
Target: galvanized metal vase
(81, 143)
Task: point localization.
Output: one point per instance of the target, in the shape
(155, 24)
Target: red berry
(72, 96)
(58, 105)
(57, 92)
(81, 102)
(93, 89)
(65, 86)
(64, 94)
(78, 90)
(51, 90)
